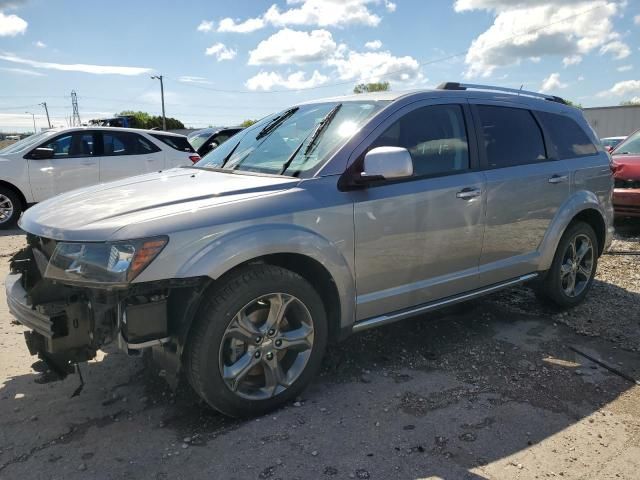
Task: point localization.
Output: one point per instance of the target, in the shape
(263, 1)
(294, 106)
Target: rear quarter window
(177, 143)
(568, 139)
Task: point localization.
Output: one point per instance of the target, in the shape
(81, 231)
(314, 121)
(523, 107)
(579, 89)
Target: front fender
(235, 248)
(579, 201)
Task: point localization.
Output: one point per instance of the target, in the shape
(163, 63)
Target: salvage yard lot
(488, 389)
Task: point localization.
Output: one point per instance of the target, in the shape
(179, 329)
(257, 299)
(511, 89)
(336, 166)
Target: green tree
(573, 104)
(628, 103)
(248, 123)
(146, 121)
(372, 87)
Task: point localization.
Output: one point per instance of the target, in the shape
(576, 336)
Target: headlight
(116, 263)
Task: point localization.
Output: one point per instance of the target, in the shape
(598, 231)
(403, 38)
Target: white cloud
(324, 13)
(572, 60)
(616, 48)
(373, 45)
(205, 26)
(537, 28)
(622, 89)
(40, 44)
(375, 66)
(636, 19)
(268, 80)
(625, 68)
(248, 26)
(551, 83)
(581, 78)
(317, 13)
(292, 46)
(77, 67)
(221, 52)
(192, 79)
(23, 71)
(11, 25)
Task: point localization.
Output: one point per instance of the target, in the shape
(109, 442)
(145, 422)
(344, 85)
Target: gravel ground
(488, 389)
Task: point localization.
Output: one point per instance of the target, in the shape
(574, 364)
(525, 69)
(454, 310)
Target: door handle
(468, 193)
(558, 178)
(88, 164)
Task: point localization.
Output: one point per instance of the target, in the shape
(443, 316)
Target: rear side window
(435, 136)
(568, 139)
(511, 136)
(177, 143)
(126, 143)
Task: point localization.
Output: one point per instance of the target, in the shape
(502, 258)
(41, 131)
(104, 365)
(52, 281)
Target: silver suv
(326, 219)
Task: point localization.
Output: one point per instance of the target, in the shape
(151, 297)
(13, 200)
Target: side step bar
(427, 307)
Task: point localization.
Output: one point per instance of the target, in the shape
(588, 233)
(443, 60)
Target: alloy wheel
(266, 346)
(6, 208)
(577, 265)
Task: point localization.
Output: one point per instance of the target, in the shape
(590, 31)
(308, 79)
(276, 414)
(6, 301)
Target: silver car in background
(328, 218)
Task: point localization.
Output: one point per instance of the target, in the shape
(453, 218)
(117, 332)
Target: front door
(73, 165)
(419, 240)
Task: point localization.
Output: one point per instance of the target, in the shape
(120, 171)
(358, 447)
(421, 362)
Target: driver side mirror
(42, 153)
(386, 163)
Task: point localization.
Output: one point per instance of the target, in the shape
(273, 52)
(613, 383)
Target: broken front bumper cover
(22, 311)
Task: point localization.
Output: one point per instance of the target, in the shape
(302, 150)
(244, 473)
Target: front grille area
(619, 183)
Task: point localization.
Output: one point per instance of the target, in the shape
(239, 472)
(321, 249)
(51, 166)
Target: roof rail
(513, 91)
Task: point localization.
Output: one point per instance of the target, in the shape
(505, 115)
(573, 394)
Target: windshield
(293, 142)
(631, 146)
(198, 139)
(26, 143)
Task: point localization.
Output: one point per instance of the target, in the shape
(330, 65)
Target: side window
(435, 136)
(83, 145)
(567, 137)
(144, 146)
(114, 144)
(61, 146)
(511, 136)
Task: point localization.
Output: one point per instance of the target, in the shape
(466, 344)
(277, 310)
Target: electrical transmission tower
(75, 117)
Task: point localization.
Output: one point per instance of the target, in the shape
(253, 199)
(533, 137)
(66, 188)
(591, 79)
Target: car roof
(614, 138)
(529, 99)
(212, 130)
(117, 129)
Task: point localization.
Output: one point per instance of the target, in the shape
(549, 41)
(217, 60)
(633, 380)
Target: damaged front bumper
(69, 323)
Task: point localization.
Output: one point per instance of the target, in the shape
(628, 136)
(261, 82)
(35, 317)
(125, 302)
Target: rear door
(74, 165)
(419, 239)
(125, 154)
(526, 185)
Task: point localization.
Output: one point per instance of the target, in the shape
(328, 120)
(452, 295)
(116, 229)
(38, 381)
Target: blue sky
(227, 61)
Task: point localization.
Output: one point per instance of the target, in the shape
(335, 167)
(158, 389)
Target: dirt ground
(490, 389)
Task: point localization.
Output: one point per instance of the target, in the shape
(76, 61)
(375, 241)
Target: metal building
(614, 121)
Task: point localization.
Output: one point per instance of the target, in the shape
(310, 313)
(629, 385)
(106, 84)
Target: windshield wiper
(276, 122)
(314, 138)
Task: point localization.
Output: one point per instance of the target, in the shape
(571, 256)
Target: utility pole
(44, 104)
(75, 118)
(34, 121)
(164, 118)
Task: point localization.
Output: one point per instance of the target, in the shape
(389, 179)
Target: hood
(626, 167)
(96, 213)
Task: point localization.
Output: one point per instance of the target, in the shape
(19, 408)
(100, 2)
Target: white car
(56, 161)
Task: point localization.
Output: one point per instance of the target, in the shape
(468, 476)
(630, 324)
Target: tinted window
(630, 146)
(79, 144)
(511, 136)
(125, 143)
(435, 137)
(177, 143)
(568, 139)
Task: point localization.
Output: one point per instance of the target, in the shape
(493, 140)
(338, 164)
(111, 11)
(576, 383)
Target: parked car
(326, 219)
(205, 140)
(609, 143)
(626, 166)
(56, 161)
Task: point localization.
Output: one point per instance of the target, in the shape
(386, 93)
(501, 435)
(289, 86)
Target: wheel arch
(16, 190)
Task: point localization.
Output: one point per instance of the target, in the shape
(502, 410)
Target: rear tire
(570, 277)
(257, 340)
(10, 208)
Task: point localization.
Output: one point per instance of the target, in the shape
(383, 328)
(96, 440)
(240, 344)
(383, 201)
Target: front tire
(257, 341)
(570, 277)
(10, 208)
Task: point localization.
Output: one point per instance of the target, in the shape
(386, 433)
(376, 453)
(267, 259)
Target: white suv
(56, 161)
